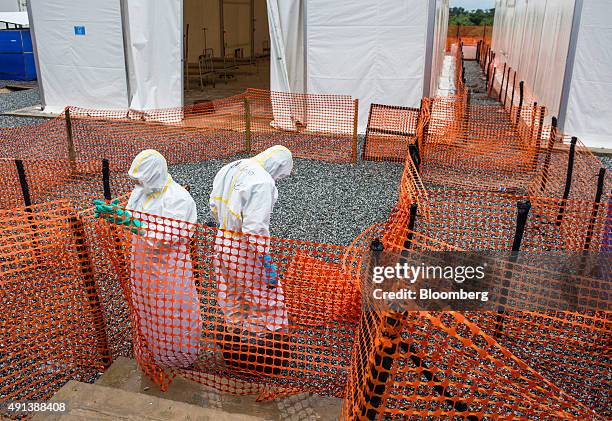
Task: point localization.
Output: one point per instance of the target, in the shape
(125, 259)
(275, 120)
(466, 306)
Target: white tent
(111, 54)
(383, 51)
(120, 54)
(561, 50)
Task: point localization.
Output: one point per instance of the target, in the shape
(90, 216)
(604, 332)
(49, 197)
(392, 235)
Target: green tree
(478, 17)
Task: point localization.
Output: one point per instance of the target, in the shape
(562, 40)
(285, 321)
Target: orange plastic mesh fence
(503, 82)
(389, 132)
(203, 306)
(63, 157)
(478, 220)
(201, 303)
(49, 180)
(483, 149)
(52, 328)
(312, 126)
(469, 35)
(529, 364)
(506, 148)
(442, 365)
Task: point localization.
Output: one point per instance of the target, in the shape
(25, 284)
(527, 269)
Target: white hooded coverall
(162, 286)
(242, 199)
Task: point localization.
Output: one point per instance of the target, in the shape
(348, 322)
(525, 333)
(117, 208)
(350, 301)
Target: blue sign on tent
(79, 30)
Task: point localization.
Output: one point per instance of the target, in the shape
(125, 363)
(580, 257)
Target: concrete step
(86, 402)
(125, 375)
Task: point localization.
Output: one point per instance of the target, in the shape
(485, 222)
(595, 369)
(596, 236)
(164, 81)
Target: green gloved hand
(113, 214)
(102, 208)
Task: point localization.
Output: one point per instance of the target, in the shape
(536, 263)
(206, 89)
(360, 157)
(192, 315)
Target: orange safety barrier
(533, 363)
(478, 220)
(389, 132)
(53, 326)
(468, 35)
(312, 126)
(442, 365)
(203, 306)
(63, 158)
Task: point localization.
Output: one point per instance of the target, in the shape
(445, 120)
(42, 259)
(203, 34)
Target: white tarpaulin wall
(439, 46)
(80, 56)
(589, 109)
(375, 51)
(81, 53)
(534, 36)
(154, 36)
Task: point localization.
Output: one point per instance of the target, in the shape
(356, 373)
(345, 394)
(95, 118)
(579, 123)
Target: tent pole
(221, 29)
(186, 56)
(125, 25)
(182, 20)
(41, 92)
(305, 41)
(569, 64)
(431, 28)
(252, 28)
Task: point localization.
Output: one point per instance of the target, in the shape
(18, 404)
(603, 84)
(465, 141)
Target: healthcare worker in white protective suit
(162, 283)
(242, 199)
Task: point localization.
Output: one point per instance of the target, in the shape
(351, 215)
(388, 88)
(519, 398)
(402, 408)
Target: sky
(473, 4)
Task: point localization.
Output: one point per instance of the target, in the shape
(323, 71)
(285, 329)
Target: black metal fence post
(411, 221)
(501, 88)
(27, 200)
(492, 80)
(106, 179)
(70, 140)
(507, 83)
(600, 186)
(23, 182)
(568, 180)
(413, 150)
(379, 357)
(523, 207)
(521, 98)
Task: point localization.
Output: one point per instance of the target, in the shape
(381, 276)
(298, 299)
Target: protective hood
(277, 161)
(150, 170)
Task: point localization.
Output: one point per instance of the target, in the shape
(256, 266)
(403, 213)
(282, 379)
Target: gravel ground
(607, 161)
(13, 101)
(321, 202)
(476, 82)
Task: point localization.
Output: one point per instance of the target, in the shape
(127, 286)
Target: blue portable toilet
(16, 55)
